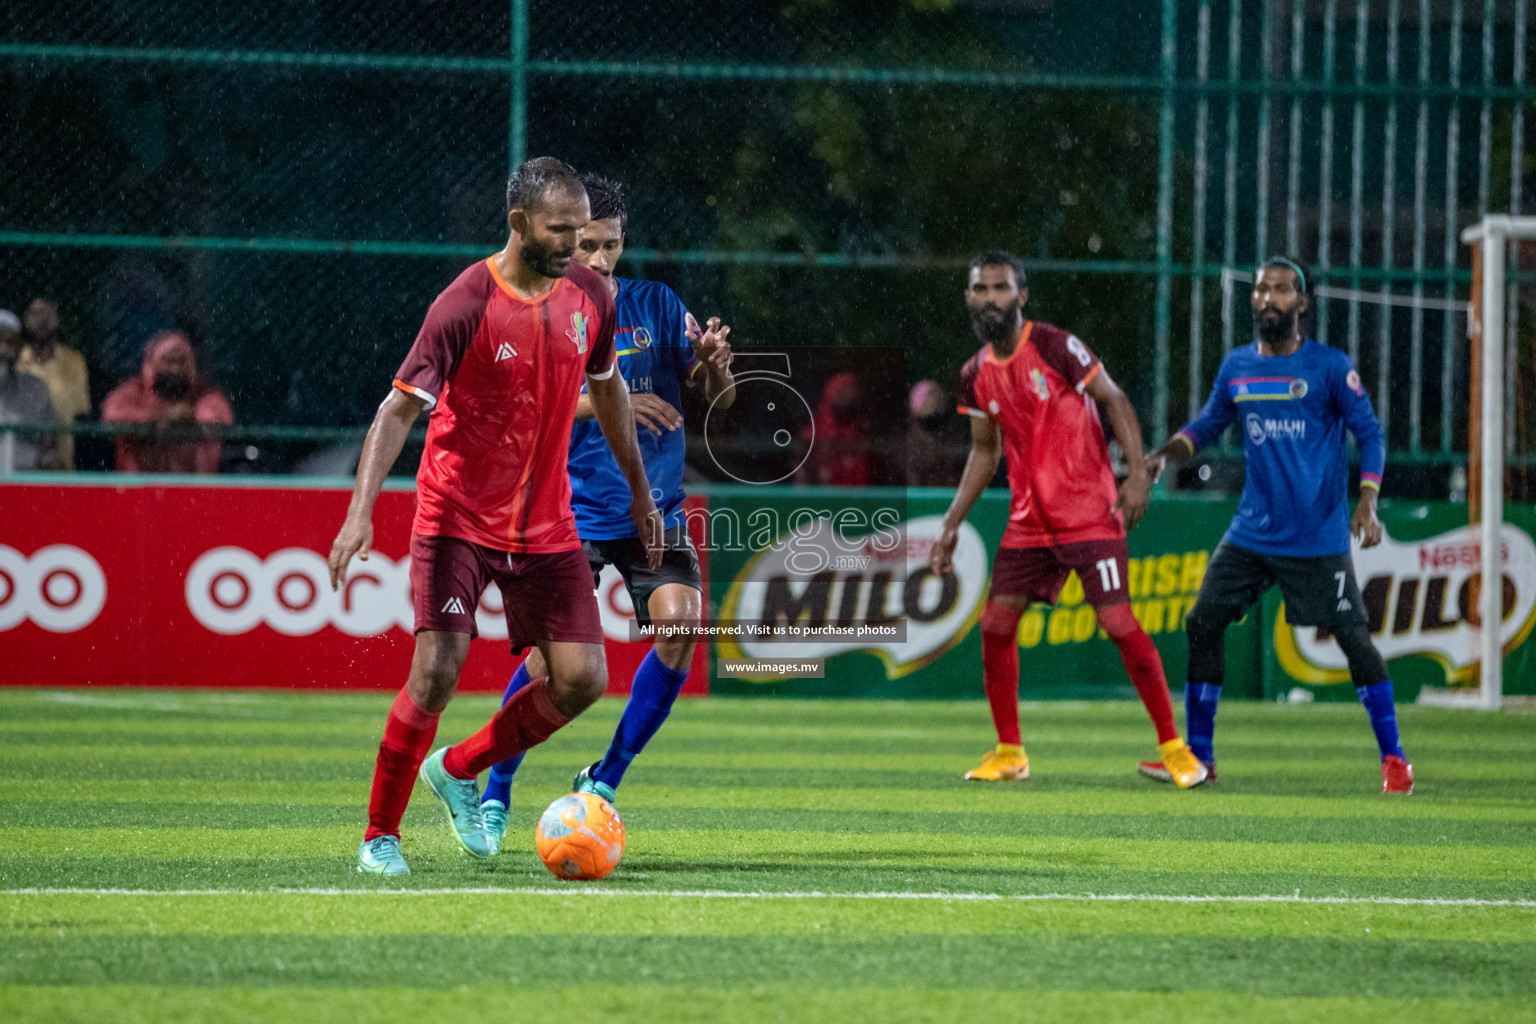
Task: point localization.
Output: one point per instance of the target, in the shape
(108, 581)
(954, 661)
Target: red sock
(526, 720)
(1000, 668)
(408, 734)
(1143, 664)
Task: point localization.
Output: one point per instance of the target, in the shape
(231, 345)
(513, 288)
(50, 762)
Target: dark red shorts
(547, 597)
(1037, 574)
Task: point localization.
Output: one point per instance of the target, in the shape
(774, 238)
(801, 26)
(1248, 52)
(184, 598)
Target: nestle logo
(1453, 556)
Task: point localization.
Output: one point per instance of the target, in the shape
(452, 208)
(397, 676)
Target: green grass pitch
(189, 856)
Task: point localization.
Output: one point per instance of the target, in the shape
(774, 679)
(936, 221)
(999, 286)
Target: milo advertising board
(1420, 586)
(866, 578)
(837, 562)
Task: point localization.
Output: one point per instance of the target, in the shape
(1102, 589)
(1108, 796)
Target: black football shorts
(1318, 590)
(679, 564)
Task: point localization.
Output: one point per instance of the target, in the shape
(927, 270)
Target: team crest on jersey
(642, 337)
(578, 332)
(1041, 387)
(1298, 388)
(1353, 380)
(992, 407)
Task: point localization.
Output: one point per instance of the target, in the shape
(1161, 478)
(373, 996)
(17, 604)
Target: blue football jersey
(654, 357)
(1293, 411)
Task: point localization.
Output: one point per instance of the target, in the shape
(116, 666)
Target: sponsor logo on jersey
(1352, 379)
(1264, 428)
(59, 588)
(1298, 388)
(505, 351)
(892, 582)
(1078, 349)
(642, 337)
(453, 606)
(578, 332)
(1421, 599)
(1041, 387)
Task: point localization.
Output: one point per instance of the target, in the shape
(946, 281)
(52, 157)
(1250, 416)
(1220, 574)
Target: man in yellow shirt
(58, 366)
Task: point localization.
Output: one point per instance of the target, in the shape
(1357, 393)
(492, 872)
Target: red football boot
(1396, 775)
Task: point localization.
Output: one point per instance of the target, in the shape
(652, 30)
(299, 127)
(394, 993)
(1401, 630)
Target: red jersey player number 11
(499, 364)
(1035, 390)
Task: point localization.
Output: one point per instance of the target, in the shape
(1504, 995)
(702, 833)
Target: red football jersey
(1058, 461)
(501, 375)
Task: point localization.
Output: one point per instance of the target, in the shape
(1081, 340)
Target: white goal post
(1491, 236)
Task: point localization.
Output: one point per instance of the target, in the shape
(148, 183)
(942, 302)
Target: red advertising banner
(148, 583)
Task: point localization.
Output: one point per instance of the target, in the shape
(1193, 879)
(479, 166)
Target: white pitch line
(717, 894)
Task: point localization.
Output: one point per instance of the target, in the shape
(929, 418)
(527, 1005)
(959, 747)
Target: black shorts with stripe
(1319, 590)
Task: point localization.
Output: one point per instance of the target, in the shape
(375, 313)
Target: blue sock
(1200, 701)
(1378, 701)
(499, 785)
(650, 701)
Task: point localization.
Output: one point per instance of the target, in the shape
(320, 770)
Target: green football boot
(495, 814)
(461, 798)
(381, 856)
(585, 783)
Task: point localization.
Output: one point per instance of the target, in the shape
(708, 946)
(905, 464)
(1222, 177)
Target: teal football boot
(495, 814)
(381, 856)
(585, 783)
(461, 798)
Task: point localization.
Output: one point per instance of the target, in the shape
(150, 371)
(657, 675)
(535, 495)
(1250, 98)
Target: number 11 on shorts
(1109, 573)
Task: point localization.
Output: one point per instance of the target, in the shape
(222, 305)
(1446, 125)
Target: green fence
(295, 181)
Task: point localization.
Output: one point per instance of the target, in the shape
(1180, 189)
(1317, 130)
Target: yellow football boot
(1004, 761)
(1183, 767)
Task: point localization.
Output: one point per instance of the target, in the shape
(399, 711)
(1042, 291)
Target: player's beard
(994, 323)
(544, 259)
(1276, 327)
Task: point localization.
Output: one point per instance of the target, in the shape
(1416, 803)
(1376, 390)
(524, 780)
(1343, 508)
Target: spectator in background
(172, 396)
(931, 458)
(23, 399)
(842, 454)
(59, 367)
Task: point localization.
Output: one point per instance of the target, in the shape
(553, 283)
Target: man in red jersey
(499, 363)
(1041, 388)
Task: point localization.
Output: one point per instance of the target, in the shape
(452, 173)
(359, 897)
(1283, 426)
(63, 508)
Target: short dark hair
(606, 197)
(1001, 258)
(535, 179)
(1300, 269)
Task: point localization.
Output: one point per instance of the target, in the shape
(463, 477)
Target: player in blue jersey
(661, 349)
(1293, 398)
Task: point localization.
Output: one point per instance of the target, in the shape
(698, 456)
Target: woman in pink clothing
(170, 394)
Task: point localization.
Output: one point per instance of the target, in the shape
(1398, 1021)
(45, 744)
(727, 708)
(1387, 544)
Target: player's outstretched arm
(980, 466)
(610, 404)
(386, 437)
(1136, 489)
(712, 346)
(1205, 429)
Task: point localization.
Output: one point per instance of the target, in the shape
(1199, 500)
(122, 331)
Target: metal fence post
(1165, 151)
(517, 128)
